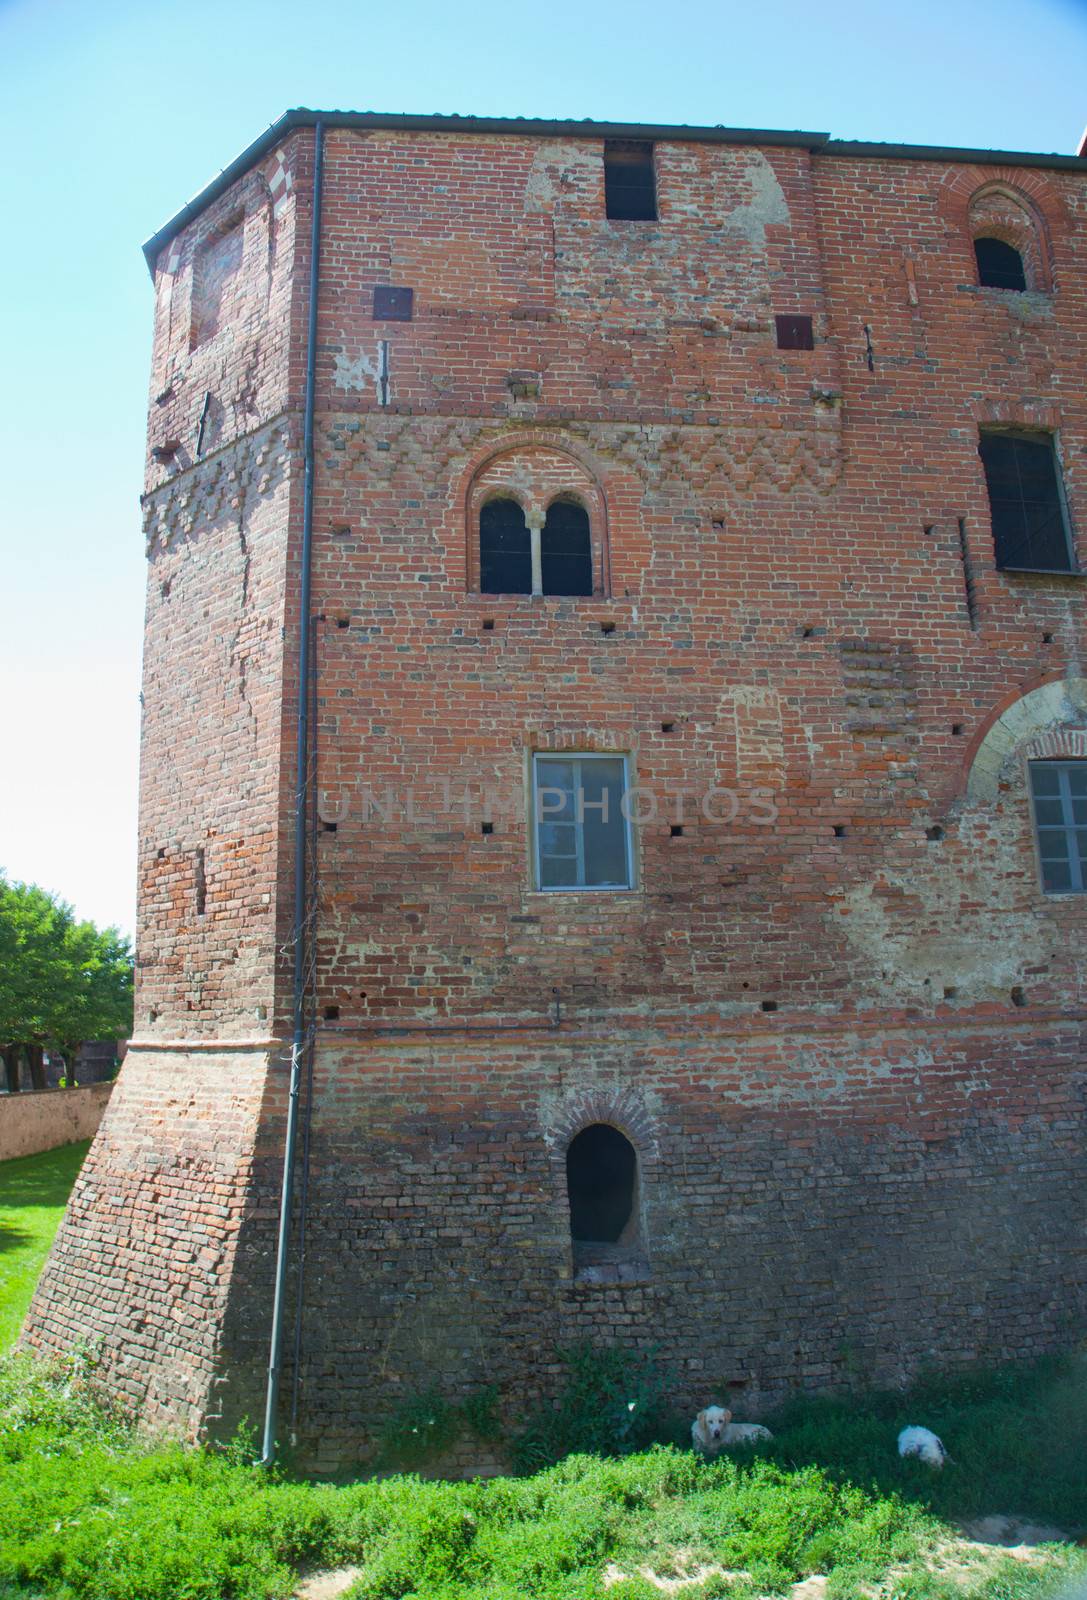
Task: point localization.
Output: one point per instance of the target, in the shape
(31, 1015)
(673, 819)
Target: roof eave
(540, 127)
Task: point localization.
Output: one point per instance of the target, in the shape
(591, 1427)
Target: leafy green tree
(61, 981)
(95, 999)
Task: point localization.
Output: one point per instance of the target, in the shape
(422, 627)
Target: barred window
(566, 551)
(630, 185)
(1030, 526)
(1059, 792)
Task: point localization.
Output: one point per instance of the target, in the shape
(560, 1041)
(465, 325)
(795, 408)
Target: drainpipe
(299, 936)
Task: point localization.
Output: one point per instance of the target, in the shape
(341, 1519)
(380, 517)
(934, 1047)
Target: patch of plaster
(821, 1077)
(961, 926)
(767, 206)
(356, 375)
(1030, 309)
(558, 168)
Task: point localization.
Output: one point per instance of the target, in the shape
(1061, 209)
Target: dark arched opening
(505, 550)
(601, 1168)
(1000, 266)
(566, 551)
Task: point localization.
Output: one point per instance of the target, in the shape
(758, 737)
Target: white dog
(714, 1429)
(924, 1443)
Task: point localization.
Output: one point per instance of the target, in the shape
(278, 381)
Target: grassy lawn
(33, 1194)
(90, 1510)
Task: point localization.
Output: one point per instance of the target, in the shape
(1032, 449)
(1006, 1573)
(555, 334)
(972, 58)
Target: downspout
(300, 938)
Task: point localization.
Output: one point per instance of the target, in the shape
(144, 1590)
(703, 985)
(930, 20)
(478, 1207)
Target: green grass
(33, 1193)
(90, 1511)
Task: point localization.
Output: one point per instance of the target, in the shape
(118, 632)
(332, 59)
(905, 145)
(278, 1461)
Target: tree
(95, 1000)
(61, 981)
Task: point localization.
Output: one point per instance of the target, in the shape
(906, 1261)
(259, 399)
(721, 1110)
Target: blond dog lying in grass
(714, 1429)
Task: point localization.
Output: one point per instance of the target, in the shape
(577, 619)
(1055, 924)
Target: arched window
(505, 550)
(536, 523)
(566, 552)
(601, 1169)
(1000, 266)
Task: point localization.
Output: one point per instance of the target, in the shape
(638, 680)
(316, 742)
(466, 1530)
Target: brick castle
(691, 902)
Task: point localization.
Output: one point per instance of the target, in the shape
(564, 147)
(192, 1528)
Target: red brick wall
(884, 1169)
(218, 517)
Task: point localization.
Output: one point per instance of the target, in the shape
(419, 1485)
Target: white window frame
(577, 757)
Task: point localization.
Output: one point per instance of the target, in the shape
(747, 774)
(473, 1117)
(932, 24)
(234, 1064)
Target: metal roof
(545, 128)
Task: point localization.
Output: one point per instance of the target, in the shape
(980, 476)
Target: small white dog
(922, 1442)
(714, 1429)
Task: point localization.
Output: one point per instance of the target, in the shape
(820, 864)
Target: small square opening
(393, 304)
(795, 333)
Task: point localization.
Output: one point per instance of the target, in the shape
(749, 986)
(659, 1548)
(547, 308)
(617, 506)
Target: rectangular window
(630, 186)
(1059, 792)
(1030, 527)
(582, 831)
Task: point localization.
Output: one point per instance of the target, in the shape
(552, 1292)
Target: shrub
(426, 1426)
(612, 1402)
(421, 1429)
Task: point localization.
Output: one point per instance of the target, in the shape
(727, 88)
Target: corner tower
(146, 1263)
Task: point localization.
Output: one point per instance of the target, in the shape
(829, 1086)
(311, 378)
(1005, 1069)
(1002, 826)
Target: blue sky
(114, 114)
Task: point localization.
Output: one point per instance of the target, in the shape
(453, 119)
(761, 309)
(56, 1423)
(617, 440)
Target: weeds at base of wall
(427, 1426)
(612, 1402)
(1027, 1424)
